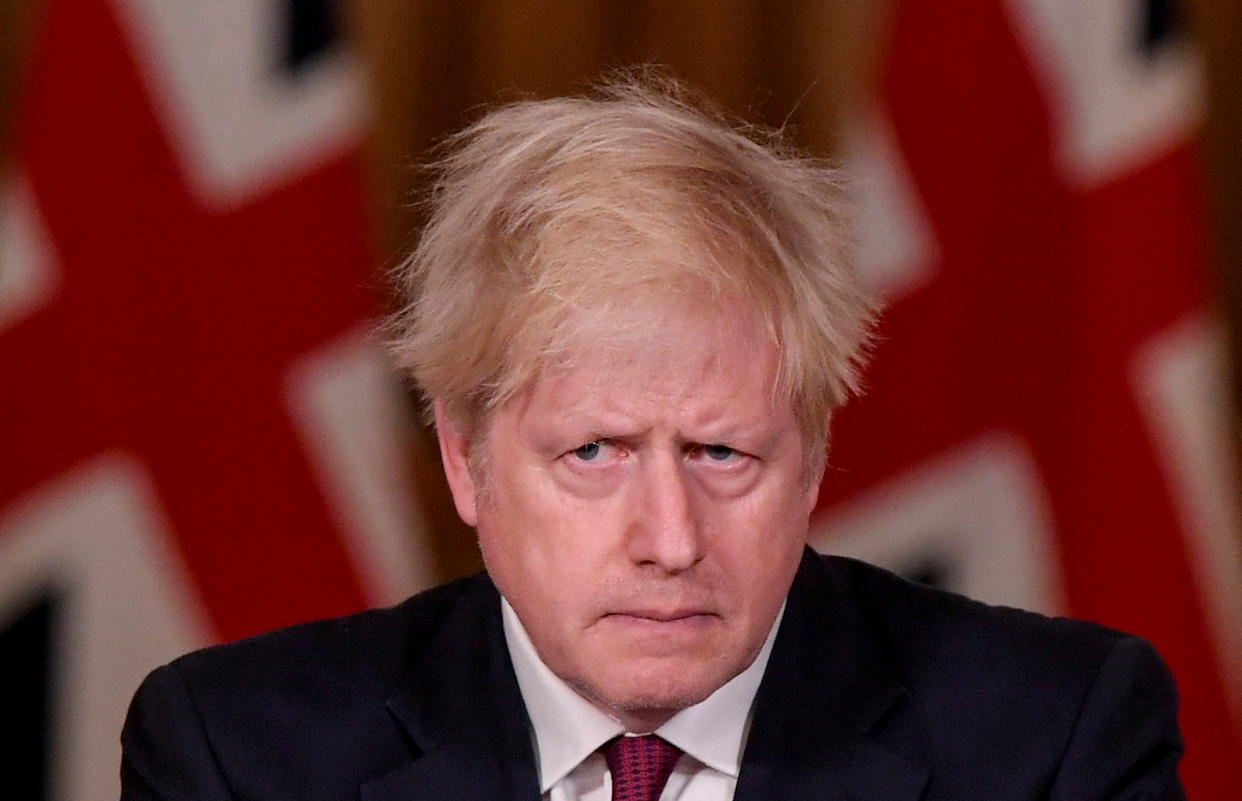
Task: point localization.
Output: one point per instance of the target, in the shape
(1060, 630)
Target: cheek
(778, 518)
(766, 540)
(533, 549)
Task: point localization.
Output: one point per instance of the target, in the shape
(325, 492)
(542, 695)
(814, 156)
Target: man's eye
(588, 452)
(719, 453)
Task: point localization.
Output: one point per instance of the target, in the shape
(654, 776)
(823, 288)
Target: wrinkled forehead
(654, 314)
(683, 333)
(671, 353)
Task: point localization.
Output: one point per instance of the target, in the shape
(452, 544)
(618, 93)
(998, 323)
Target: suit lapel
(814, 735)
(461, 709)
(826, 687)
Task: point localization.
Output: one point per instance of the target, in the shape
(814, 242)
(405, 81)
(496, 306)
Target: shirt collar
(568, 728)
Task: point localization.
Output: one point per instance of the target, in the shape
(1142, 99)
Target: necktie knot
(640, 766)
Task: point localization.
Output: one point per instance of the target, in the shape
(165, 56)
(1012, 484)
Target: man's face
(644, 515)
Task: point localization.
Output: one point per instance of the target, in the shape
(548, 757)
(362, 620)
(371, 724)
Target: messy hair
(614, 203)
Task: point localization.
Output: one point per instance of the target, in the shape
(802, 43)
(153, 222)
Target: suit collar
(815, 731)
(462, 711)
(820, 708)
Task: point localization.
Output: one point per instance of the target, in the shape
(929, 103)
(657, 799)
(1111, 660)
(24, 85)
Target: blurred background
(200, 438)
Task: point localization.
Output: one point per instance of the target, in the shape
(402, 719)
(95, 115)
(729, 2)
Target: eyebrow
(761, 436)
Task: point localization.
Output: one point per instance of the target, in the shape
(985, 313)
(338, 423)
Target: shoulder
(368, 651)
(929, 629)
(1050, 699)
(305, 701)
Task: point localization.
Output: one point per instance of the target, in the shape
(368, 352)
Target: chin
(665, 687)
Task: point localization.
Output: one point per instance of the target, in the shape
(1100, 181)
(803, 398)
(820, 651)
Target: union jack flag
(1045, 424)
(200, 441)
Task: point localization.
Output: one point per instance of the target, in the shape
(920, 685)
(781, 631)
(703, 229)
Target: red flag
(199, 442)
(1043, 423)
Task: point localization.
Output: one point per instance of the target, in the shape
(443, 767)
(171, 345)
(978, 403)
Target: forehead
(694, 365)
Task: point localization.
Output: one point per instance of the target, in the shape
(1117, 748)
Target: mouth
(658, 616)
(661, 633)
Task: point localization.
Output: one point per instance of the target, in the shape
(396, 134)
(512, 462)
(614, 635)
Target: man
(632, 323)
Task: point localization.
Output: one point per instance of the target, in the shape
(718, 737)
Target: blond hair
(632, 196)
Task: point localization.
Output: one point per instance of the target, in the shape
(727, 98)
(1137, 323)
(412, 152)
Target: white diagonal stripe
(28, 275)
(348, 409)
(237, 120)
(1115, 106)
(97, 534)
(981, 505)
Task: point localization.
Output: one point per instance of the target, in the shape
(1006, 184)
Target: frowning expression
(644, 514)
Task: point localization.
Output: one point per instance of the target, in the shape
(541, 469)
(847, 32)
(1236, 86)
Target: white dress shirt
(568, 730)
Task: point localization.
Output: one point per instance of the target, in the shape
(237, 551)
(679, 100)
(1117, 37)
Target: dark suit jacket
(877, 690)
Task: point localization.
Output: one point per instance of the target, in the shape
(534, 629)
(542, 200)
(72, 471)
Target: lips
(662, 615)
(661, 633)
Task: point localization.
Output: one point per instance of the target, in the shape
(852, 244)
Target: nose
(665, 530)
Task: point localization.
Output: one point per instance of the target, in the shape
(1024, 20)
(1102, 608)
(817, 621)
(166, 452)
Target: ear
(454, 453)
(817, 480)
(812, 494)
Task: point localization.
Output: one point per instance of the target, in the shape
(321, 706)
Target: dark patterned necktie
(640, 766)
